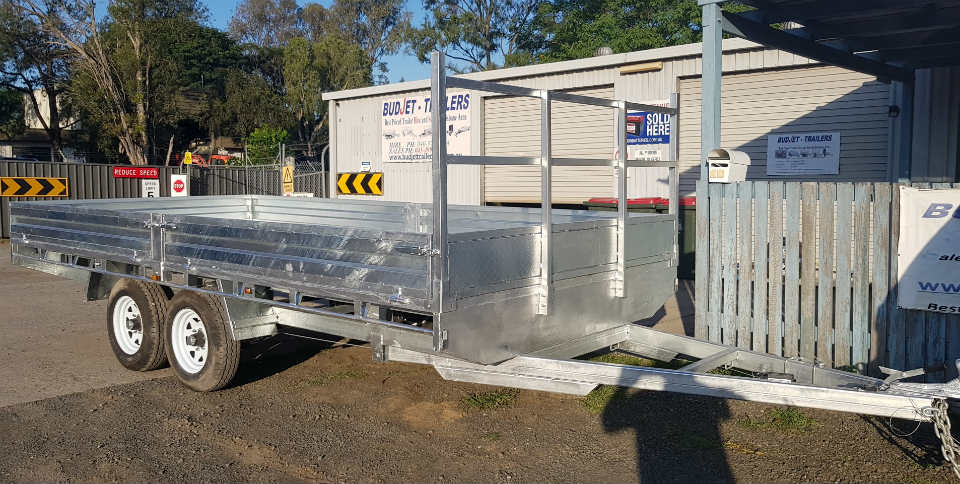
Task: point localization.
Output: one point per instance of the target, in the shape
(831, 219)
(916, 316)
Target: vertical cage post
(438, 262)
(673, 175)
(546, 203)
(620, 282)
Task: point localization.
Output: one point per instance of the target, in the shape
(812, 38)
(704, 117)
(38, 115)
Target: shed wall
(936, 125)
(358, 129)
(816, 98)
(513, 128)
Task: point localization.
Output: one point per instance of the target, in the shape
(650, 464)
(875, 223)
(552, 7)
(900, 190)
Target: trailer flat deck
(379, 253)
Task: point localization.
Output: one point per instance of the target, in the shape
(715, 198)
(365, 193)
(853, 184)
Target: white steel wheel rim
(188, 336)
(127, 325)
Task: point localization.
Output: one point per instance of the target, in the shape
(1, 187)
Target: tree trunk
(53, 127)
(169, 151)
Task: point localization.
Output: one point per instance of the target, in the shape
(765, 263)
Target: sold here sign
(135, 172)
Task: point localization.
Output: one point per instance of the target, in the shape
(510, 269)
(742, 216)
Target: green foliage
(33, 63)
(472, 33)
(377, 26)
(11, 113)
(782, 420)
(263, 145)
(573, 29)
(490, 400)
(310, 68)
(248, 101)
(266, 22)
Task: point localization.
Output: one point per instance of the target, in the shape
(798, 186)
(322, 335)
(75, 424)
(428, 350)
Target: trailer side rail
(439, 84)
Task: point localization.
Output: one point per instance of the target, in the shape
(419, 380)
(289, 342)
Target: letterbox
(727, 165)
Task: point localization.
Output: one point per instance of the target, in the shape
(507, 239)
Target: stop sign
(178, 186)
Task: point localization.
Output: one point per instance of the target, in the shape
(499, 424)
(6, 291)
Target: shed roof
(599, 62)
(887, 38)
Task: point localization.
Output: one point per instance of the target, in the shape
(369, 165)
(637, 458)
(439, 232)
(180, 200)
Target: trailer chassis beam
(775, 380)
(772, 379)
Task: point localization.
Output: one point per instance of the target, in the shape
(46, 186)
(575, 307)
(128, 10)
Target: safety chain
(941, 426)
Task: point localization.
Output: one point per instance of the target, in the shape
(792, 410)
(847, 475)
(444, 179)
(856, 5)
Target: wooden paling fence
(809, 270)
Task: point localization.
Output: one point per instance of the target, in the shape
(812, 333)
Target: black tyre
(199, 344)
(135, 316)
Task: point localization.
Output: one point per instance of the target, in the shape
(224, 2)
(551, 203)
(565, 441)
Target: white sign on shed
(803, 154)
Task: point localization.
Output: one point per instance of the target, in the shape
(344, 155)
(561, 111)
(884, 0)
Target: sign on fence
(287, 179)
(179, 185)
(135, 172)
(31, 186)
(929, 251)
(150, 188)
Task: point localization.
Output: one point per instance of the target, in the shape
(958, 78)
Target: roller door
(512, 127)
(818, 98)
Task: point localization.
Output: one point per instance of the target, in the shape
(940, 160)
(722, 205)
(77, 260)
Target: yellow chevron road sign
(32, 186)
(363, 183)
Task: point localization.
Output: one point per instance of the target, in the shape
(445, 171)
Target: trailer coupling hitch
(897, 375)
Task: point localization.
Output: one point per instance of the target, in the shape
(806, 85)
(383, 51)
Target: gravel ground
(308, 411)
(302, 411)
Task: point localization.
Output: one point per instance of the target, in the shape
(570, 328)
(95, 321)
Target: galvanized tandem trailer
(494, 295)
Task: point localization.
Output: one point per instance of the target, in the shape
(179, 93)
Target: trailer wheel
(199, 346)
(135, 316)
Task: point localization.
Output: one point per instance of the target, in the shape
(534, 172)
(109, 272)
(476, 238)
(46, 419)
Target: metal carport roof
(886, 38)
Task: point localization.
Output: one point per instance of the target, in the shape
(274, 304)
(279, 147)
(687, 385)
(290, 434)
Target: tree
(11, 113)
(263, 145)
(309, 69)
(266, 23)
(115, 60)
(248, 101)
(573, 29)
(475, 32)
(192, 76)
(377, 26)
(33, 64)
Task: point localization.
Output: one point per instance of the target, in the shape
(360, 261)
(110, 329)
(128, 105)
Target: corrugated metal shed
(791, 100)
(505, 126)
(936, 125)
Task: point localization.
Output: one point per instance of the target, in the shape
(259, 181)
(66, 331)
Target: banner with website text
(928, 263)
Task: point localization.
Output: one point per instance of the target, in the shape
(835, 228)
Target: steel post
(438, 262)
(620, 282)
(673, 175)
(712, 74)
(546, 204)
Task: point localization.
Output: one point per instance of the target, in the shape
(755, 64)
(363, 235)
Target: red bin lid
(631, 201)
(684, 201)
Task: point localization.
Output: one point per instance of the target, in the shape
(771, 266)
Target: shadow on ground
(266, 357)
(688, 448)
